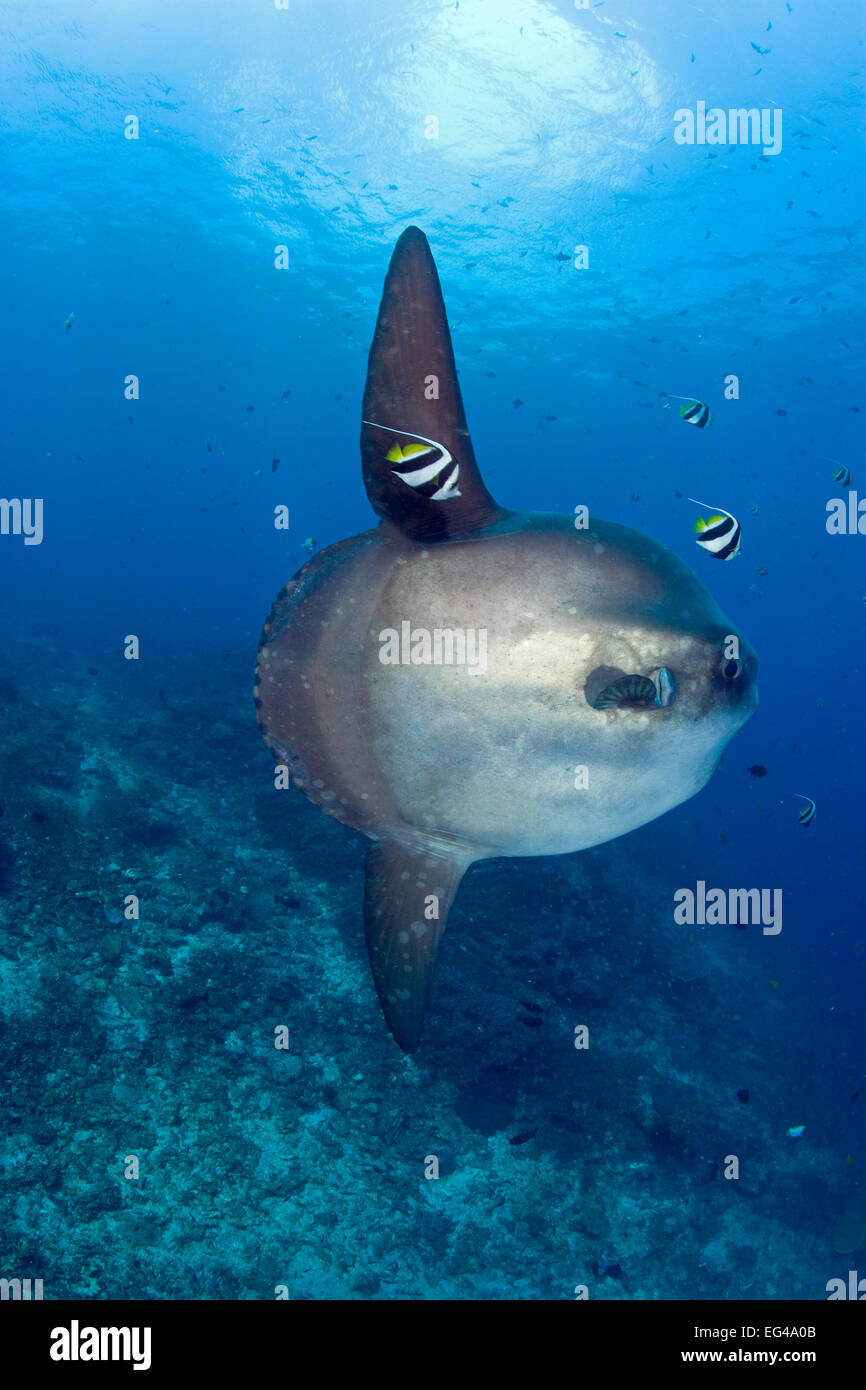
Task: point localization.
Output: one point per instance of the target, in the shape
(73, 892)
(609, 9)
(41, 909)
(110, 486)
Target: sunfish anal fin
(412, 403)
(407, 896)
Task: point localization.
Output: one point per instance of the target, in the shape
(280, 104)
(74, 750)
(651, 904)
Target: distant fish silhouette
(808, 812)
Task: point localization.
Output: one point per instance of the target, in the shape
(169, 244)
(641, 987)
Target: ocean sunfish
(466, 681)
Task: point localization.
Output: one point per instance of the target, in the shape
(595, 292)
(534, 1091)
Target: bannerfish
(842, 475)
(437, 479)
(436, 682)
(309, 544)
(695, 412)
(809, 811)
(720, 535)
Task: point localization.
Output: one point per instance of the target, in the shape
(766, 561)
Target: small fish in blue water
(742, 1095)
(720, 535)
(809, 811)
(796, 1131)
(68, 324)
(758, 770)
(523, 1137)
(761, 51)
(695, 412)
(842, 475)
(309, 544)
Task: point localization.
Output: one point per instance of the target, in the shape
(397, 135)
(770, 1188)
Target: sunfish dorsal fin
(419, 466)
(407, 896)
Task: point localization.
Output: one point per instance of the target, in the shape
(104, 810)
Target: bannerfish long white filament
(720, 536)
(420, 478)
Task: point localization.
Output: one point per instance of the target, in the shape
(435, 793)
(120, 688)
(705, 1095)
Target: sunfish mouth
(639, 692)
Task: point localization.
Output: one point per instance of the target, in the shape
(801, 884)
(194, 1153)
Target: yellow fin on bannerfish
(701, 525)
(399, 453)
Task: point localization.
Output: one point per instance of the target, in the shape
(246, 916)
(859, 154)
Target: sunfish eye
(731, 669)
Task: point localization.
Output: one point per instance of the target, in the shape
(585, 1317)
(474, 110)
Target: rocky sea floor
(304, 1167)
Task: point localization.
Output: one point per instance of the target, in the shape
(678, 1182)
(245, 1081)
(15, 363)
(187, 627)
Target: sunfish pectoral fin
(419, 466)
(407, 896)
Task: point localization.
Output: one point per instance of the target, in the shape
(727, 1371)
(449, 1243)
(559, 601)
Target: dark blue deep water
(155, 1142)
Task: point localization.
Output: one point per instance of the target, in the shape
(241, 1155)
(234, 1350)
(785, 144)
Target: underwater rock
(593, 1222)
(151, 831)
(7, 860)
(447, 1158)
(486, 1106)
(848, 1233)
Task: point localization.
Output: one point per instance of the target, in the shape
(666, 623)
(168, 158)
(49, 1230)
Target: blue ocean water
(725, 273)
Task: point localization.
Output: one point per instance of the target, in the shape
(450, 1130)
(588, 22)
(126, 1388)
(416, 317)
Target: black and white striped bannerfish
(720, 535)
(842, 474)
(428, 479)
(695, 412)
(808, 812)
